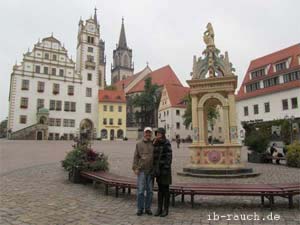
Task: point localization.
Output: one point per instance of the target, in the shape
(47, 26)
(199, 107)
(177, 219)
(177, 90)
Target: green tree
(147, 102)
(187, 116)
(110, 87)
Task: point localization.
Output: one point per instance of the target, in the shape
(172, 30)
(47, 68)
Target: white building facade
(271, 89)
(171, 110)
(51, 96)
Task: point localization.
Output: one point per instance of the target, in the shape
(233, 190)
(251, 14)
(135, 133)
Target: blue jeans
(144, 183)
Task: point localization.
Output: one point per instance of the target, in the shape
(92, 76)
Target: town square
(184, 120)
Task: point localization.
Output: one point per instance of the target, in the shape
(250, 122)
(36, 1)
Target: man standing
(142, 167)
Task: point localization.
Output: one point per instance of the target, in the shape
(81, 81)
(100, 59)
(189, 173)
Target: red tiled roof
(111, 96)
(161, 76)
(120, 85)
(176, 95)
(271, 59)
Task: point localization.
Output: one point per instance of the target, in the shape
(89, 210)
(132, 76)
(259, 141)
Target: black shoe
(148, 212)
(158, 212)
(164, 213)
(139, 212)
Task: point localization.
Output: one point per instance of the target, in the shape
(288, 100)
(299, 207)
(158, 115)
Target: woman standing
(162, 161)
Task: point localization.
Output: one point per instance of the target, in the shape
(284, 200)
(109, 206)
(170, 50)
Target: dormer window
(280, 66)
(258, 73)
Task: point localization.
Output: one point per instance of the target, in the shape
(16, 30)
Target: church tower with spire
(90, 60)
(122, 66)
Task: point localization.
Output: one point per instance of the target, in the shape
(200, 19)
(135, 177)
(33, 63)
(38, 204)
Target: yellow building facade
(112, 115)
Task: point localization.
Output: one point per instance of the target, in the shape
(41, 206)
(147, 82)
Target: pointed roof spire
(95, 15)
(122, 39)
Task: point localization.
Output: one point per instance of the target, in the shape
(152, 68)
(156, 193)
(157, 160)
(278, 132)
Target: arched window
(120, 133)
(125, 61)
(103, 133)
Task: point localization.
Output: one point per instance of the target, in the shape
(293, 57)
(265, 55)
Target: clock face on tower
(91, 27)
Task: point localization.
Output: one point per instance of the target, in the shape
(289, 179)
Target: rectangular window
(271, 82)
(71, 136)
(105, 108)
(220, 129)
(90, 49)
(41, 86)
(111, 121)
(55, 89)
(88, 108)
(104, 121)
(120, 108)
(246, 111)
(280, 66)
(119, 121)
(54, 57)
(24, 103)
(267, 107)
(88, 92)
(177, 126)
(46, 55)
(90, 58)
(50, 136)
(72, 123)
(56, 136)
(53, 71)
(52, 105)
(61, 72)
(253, 87)
(255, 109)
(111, 108)
(90, 40)
(45, 70)
(25, 85)
(70, 90)
(58, 122)
(66, 123)
(67, 106)
(23, 119)
(58, 105)
(37, 69)
(295, 75)
(51, 122)
(294, 102)
(257, 73)
(73, 106)
(40, 103)
(285, 104)
(177, 112)
(89, 76)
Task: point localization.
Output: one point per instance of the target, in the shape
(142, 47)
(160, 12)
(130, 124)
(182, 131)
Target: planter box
(74, 175)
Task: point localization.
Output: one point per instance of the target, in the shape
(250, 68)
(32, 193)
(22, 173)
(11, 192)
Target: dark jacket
(162, 160)
(143, 156)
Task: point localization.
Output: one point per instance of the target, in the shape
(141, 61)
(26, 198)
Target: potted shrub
(83, 157)
(293, 155)
(257, 143)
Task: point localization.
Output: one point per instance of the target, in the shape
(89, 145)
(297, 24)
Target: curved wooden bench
(268, 191)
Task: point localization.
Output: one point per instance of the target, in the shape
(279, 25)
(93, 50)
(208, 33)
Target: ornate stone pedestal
(212, 92)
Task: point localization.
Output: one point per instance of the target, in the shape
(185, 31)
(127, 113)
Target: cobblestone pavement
(41, 194)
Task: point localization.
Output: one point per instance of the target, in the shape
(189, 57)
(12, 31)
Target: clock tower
(90, 60)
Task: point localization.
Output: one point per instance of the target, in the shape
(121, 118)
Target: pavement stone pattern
(35, 190)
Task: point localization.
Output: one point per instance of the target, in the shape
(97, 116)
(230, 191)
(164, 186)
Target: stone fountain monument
(212, 86)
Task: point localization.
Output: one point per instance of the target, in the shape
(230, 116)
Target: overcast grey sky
(159, 31)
